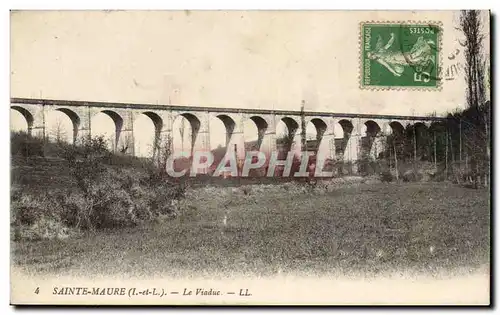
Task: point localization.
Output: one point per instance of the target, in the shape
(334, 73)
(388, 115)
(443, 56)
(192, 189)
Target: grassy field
(361, 229)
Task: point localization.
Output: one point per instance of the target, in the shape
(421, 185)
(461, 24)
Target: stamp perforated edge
(439, 85)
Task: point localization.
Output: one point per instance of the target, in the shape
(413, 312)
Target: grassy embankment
(361, 229)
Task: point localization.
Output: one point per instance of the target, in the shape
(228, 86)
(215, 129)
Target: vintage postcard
(250, 157)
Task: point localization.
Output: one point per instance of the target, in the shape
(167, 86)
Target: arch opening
(229, 125)
(62, 125)
(343, 131)
(254, 132)
(315, 130)
(107, 124)
(195, 124)
(221, 133)
(372, 128)
(285, 134)
(21, 120)
(147, 141)
(396, 142)
(396, 129)
(369, 149)
(185, 130)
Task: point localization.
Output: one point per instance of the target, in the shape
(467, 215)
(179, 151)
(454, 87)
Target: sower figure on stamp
(420, 55)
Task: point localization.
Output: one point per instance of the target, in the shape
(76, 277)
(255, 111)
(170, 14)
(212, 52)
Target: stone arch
(28, 116)
(343, 130)
(347, 126)
(418, 132)
(286, 140)
(229, 124)
(143, 140)
(396, 127)
(118, 122)
(232, 142)
(396, 142)
(75, 120)
(260, 122)
(262, 126)
(370, 147)
(372, 128)
(290, 123)
(156, 119)
(320, 128)
(420, 125)
(194, 123)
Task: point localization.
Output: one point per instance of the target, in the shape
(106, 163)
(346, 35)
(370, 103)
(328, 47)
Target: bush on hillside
(25, 145)
(36, 217)
(386, 176)
(108, 195)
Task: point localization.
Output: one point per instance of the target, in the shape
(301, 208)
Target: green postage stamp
(400, 55)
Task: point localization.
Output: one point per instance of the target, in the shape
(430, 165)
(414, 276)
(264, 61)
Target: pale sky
(242, 59)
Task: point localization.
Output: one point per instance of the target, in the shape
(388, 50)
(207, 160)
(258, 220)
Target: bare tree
(57, 132)
(470, 25)
(475, 72)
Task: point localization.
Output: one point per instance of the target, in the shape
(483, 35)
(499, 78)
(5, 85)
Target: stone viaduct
(354, 127)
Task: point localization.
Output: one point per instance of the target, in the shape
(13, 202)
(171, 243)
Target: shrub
(411, 176)
(37, 217)
(142, 198)
(43, 228)
(86, 163)
(73, 205)
(386, 177)
(166, 197)
(26, 145)
(27, 208)
(108, 196)
(115, 209)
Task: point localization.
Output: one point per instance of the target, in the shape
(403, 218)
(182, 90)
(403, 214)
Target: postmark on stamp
(400, 55)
